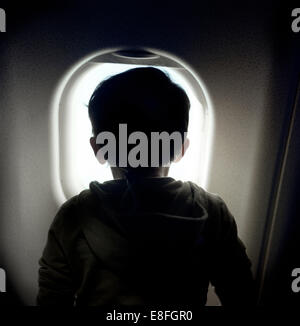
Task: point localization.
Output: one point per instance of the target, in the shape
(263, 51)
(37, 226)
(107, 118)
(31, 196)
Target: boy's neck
(118, 173)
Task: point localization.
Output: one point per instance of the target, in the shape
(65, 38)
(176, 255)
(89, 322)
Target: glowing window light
(78, 165)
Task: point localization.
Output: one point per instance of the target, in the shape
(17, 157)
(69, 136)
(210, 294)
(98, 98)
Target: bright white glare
(83, 165)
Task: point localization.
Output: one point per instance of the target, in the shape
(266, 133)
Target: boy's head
(146, 100)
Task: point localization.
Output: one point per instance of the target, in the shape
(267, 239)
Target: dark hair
(145, 99)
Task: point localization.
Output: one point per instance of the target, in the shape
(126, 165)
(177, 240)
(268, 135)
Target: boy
(142, 237)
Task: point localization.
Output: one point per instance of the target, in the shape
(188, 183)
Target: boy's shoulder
(67, 215)
(208, 199)
(219, 215)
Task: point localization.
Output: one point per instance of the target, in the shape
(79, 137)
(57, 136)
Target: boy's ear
(97, 152)
(94, 145)
(184, 148)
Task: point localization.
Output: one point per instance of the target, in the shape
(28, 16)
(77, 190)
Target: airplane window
(74, 163)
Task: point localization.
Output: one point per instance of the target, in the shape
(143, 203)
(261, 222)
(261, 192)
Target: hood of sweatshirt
(160, 215)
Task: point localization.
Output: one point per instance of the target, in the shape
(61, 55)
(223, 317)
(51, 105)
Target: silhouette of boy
(143, 237)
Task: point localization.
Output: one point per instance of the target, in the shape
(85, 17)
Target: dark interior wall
(284, 244)
(235, 50)
(280, 255)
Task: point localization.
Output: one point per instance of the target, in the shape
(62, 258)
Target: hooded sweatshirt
(147, 241)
